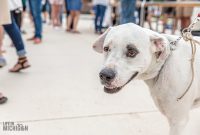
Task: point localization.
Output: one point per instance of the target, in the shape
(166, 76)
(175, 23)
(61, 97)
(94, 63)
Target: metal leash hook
(187, 36)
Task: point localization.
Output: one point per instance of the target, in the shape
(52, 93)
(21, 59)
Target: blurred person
(184, 15)
(107, 21)
(169, 12)
(147, 15)
(114, 15)
(100, 9)
(35, 9)
(23, 14)
(14, 33)
(127, 11)
(56, 8)
(75, 7)
(4, 19)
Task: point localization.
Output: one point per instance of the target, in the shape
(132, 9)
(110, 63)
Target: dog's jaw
(117, 89)
(112, 91)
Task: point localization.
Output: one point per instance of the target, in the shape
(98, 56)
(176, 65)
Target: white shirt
(15, 4)
(101, 2)
(43, 2)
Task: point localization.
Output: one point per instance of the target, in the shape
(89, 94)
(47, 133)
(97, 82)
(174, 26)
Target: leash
(187, 36)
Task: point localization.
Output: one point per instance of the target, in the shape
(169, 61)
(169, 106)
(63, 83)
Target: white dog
(132, 52)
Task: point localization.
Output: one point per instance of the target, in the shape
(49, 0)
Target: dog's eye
(131, 53)
(106, 49)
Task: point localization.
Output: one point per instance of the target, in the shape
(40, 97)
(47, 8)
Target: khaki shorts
(184, 12)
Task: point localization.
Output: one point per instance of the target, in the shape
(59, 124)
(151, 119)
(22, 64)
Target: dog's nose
(107, 75)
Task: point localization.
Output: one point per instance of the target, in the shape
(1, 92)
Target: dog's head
(129, 51)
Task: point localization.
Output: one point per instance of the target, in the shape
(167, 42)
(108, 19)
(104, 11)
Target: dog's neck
(152, 73)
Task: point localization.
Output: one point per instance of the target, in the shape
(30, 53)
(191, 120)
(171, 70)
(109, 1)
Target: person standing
(56, 6)
(167, 13)
(100, 9)
(75, 7)
(35, 8)
(128, 11)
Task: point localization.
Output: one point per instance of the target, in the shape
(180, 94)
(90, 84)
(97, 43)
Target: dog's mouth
(117, 89)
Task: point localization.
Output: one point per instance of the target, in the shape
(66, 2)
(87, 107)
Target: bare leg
(69, 20)
(53, 14)
(58, 9)
(165, 16)
(76, 19)
(45, 16)
(149, 20)
(175, 24)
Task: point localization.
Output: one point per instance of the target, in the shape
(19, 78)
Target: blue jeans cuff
(21, 53)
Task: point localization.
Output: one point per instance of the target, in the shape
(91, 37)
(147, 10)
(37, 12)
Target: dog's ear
(159, 47)
(98, 45)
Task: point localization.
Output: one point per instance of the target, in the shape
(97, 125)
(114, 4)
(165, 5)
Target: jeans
(128, 11)
(100, 13)
(17, 14)
(15, 35)
(35, 8)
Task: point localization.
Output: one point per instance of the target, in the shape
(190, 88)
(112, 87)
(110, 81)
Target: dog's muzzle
(109, 90)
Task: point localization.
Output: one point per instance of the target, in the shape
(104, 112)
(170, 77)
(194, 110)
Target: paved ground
(61, 93)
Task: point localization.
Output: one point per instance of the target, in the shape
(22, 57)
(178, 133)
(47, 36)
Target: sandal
(68, 30)
(21, 64)
(3, 99)
(76, 32)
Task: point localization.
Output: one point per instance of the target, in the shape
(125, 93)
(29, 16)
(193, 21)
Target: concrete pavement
(61, 94)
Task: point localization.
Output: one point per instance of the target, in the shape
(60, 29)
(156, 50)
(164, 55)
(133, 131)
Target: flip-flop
(3, 100)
